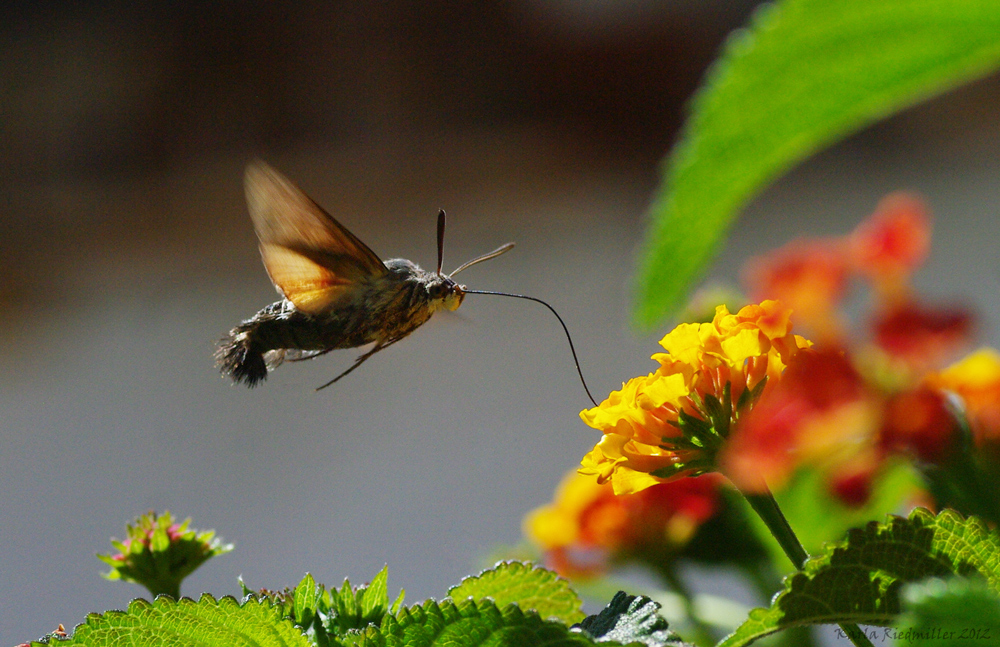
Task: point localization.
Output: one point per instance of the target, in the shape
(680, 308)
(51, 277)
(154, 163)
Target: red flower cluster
(847, 405)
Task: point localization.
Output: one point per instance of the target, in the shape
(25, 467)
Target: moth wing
(312, 287)
(311, 258)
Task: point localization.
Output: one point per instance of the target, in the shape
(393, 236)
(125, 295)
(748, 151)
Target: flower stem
(767, 509)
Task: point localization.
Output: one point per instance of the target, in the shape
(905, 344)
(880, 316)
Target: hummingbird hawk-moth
(336, 292)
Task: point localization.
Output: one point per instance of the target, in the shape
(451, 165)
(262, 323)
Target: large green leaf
(530, 587)
(207, 622)
(859, 580)
(480, 623)
(469, 623)
(805, 74)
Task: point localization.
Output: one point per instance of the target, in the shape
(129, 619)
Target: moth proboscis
(337, 293)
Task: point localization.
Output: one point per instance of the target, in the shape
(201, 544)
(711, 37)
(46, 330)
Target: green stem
(164, 586)
(767, 509)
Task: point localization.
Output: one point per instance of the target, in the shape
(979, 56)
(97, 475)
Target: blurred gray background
(126, 252)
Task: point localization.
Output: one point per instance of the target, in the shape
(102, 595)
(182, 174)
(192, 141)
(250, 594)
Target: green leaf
(398, 603)
(357, 608)
(246, 590)
(530, 587)
(374, 598)
(859, 580)
(947, 612)
(805, 74)
(207, 622)
(346, 602)
(630, 619)
(309, 609)
(305, 601)
(470, 623)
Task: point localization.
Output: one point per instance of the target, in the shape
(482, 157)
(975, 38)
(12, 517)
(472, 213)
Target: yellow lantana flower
(672, 422)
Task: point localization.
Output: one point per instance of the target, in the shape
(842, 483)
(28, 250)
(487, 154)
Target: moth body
(337, 292)
(382, 310)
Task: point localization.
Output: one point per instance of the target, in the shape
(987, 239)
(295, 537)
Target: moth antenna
(502, 249)
(572, 349)
(441, 240)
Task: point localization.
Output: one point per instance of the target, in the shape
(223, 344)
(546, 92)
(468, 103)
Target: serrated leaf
(305, 600)
(859, 580)
(803, 75)
(352, 609)
(374, 598)
(345, 612)
(245, 590)
(309, 609)
(398, 603)
(207, 622)
(528, 586)
(630, 619)
(947, 612)
(470, 623)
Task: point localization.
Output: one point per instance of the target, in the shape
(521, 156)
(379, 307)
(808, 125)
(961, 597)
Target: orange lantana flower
(587, 527)
(891, 244)
(821, 411)
(673, 422)
(921, 337)
(809, 276)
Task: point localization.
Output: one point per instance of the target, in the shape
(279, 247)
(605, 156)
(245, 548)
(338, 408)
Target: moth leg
(360, 360)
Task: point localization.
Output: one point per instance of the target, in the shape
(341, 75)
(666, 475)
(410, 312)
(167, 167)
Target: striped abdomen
(380, 313)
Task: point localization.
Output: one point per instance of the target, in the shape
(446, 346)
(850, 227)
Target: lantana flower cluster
(675, 421)
(746, 397)
(587, 527)
(866, 395)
